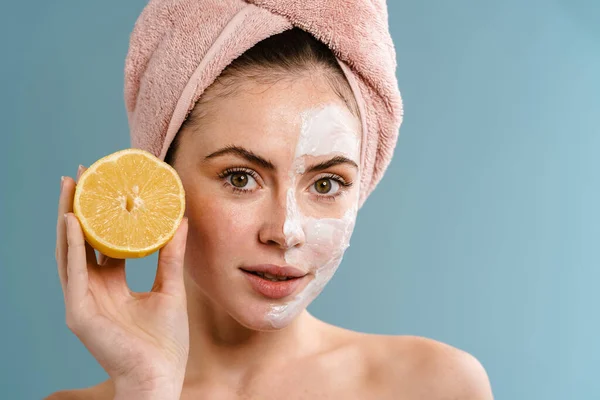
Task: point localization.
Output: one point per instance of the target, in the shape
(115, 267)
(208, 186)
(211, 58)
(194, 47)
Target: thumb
(169, 274)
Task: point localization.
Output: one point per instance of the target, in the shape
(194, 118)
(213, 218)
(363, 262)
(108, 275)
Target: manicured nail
(62, 182)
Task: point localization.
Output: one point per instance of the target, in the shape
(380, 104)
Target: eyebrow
(256, 159)
(337, 160)
(243, 153)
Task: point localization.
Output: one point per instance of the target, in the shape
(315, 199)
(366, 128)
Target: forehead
(274, 118)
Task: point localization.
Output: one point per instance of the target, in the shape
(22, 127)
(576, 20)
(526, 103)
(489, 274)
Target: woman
(274, 159)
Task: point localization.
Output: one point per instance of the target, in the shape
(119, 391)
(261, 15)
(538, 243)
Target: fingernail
(62, 182)
(66, 219)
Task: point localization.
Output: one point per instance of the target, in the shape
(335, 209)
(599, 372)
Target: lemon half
(129, 203)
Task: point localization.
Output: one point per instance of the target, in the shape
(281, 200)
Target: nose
(282, 225)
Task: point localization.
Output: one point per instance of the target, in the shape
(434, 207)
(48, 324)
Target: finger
(65, 205)
(90, 254)
(169, 274)
(77, 268)
(102, 259)
(114, 277)
(80, 171)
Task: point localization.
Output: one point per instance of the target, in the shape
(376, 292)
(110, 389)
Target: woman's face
(271, 178)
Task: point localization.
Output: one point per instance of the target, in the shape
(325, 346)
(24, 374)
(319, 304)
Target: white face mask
(327, 130)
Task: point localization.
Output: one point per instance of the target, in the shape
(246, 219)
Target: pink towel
(179, 47)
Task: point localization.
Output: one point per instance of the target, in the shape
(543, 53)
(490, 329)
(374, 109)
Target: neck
(222, 348)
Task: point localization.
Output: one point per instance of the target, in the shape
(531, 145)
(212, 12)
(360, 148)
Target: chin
(265, 315)
(249, 304)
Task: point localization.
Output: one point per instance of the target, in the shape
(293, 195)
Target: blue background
(484, 233)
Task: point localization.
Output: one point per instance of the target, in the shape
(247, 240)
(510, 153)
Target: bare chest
(316, 390)
(325, 382)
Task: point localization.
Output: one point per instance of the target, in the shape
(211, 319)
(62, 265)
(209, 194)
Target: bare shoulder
(421, 368)
(101, 391)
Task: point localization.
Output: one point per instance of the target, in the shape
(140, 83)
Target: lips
(275, 270)
(274, 281)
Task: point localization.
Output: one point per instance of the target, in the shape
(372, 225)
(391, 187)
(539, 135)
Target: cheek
(306, 205)
(326, 240)
(218, 229)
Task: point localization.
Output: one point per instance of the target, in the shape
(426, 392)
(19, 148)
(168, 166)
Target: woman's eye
(239, 180)
(242, 180)
(326, 186)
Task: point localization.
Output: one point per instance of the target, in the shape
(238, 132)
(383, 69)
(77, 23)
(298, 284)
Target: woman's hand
(140, 339)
